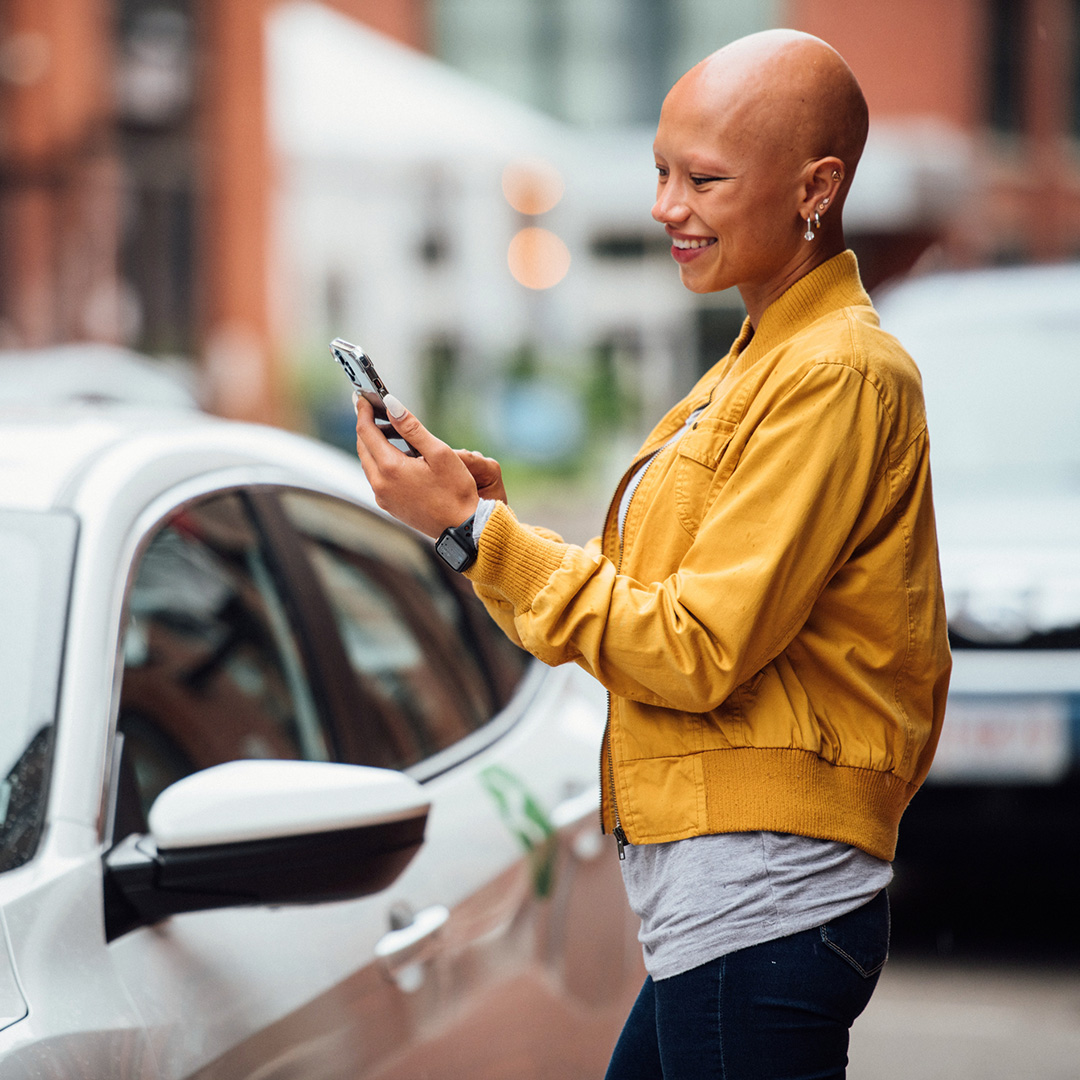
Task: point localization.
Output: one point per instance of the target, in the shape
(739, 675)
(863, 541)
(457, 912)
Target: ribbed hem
(777, 790)
(514, 559)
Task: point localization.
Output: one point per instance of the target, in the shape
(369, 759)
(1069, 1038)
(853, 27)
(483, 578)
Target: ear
(822, 180)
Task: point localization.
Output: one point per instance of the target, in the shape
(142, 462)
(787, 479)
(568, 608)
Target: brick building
(137, 177)
(1004, 76)
(135, 180)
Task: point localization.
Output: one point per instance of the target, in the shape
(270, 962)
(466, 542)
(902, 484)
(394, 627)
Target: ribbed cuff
(513, 559)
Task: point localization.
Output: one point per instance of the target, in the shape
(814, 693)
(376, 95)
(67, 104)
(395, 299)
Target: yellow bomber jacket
(771, 626)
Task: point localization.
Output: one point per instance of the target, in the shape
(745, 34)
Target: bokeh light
(538, 259)
(532, 187)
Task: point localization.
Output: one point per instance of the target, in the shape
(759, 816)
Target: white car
(998, 350)
(279, 800)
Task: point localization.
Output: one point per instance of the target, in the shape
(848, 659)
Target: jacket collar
(833, 285)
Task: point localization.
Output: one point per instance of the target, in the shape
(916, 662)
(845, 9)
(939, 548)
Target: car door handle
(578, 807)
(403, 943)
(404, 952)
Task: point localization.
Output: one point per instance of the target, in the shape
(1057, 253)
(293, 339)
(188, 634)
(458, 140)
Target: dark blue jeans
(777, 1011)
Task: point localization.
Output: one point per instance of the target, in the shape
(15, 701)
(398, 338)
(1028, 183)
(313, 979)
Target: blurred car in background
(998, 351)
(278, 799)
(93, 373)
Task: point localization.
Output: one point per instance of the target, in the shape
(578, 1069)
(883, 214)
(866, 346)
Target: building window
(594, 63)
(629, 246)
(1007, 67)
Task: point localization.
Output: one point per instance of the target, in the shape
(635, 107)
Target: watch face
(452, 553)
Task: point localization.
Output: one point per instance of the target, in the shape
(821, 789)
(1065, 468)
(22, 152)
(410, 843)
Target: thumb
(408, 427)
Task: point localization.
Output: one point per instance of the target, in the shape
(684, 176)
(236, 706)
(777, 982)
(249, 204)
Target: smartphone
(362, 374)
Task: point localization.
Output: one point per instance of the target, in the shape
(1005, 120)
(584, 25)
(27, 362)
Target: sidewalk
(955, 1021)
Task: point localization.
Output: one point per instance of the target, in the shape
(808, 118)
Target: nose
(670, 206)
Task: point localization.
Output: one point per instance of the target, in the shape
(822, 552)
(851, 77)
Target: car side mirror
(265, 832)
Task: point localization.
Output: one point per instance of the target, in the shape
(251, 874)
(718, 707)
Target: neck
(757, 297)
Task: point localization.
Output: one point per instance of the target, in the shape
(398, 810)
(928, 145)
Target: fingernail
(355, 400)
(394, 407)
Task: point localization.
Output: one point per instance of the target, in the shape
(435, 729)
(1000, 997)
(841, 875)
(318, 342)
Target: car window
(424, 659)
(212, 670)
(996, 350)
(36, 554)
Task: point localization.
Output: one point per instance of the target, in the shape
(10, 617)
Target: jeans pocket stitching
(866, 973)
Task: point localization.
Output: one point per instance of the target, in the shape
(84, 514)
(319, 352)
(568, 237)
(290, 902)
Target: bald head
(755, 151)
(791, 94)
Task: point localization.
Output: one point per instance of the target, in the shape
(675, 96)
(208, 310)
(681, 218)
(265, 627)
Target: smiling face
(730, 209)
(743, 160)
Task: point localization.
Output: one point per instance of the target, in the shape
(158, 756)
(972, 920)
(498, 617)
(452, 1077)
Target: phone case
(361, 373)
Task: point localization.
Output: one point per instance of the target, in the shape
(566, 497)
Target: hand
(487, 473)
(430, 492)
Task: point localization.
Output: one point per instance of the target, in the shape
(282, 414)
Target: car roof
(90, 371)
(46, 453)
(957, 298)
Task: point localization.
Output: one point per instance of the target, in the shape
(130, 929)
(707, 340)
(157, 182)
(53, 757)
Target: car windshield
(36, 551)
(1002, 399)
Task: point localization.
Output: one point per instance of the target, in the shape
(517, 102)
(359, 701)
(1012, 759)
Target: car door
(537, 962)
(215, 669)
(290, 624)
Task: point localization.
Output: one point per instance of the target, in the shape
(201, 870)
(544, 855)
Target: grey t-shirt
(702, 898)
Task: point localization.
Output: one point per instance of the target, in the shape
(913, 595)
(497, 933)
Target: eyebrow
(695, 163)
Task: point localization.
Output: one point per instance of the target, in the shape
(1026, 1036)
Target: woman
(764, 605)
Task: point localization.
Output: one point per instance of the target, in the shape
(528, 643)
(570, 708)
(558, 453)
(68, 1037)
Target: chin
(699, 284)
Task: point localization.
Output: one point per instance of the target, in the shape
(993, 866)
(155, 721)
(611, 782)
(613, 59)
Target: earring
(809, 234)
(824, 203)
(835, 175)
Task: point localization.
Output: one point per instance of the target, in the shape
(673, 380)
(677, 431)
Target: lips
(685, 249)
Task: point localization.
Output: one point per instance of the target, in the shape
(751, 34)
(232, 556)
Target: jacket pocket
(699, 452)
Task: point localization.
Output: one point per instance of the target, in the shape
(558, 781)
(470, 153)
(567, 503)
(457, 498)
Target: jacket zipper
(605, 747)
(642, 470)
(605, 753)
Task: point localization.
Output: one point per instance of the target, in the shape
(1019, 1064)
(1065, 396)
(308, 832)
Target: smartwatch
(456, 546)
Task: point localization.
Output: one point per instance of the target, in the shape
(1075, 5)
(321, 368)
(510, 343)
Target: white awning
(340, 90)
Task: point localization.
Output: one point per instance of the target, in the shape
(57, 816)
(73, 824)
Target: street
(956, 1020)
(984, 977)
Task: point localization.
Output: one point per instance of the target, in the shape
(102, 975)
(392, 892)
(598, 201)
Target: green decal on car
(526, 820)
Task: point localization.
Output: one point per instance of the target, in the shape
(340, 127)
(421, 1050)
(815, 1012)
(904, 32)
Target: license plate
(1003, 738)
